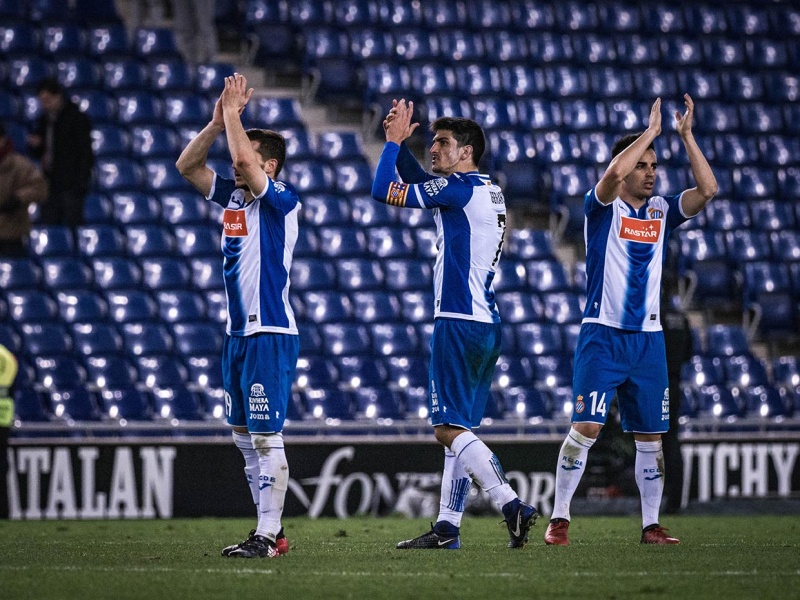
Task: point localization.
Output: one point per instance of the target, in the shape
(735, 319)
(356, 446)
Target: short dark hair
(626, 141)
(271, 144)
(49, 85)
(466, 132)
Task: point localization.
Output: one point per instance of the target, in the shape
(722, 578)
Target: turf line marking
(369, 574)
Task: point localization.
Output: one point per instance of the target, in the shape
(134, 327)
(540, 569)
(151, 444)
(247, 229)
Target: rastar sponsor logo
(234, 223)
(639, 230)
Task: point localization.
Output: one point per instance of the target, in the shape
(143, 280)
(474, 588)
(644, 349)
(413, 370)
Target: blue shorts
(463, 356)
(631, 363)
(257, 373)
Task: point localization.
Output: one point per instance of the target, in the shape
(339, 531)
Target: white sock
(571, 464)
(455, 489)
(650, 479)
(245, 444)
(273, 480)
(482, 465)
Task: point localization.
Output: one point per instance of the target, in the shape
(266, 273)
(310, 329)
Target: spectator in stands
(21, 184)
(261, 346)
(195, 31)
(620, 346)
(8, 372)
(678, 343)
(470, 216)
(62, 142)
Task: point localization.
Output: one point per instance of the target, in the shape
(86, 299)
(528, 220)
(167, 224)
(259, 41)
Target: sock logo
(573, 464)
(654, 474)
(265, 481)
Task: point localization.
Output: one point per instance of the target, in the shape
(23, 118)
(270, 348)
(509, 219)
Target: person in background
(195, 31)
(62, 142)
(8, 372)
(21, 184)
(678, 342)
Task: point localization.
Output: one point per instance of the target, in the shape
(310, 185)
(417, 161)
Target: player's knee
(264, 442)
(590, 430)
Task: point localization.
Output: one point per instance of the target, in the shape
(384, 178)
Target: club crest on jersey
(257, 391)
(655, 213)
(234, 223)
(397, 194)
(579, 405)
(434, 186)
(279, 186)
(640, 230)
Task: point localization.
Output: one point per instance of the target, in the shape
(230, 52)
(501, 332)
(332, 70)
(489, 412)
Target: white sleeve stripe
(266, 187)
(213, 186)
(419, 196)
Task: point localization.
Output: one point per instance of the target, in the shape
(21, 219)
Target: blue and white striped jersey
(625, 250)
(470, 215)
(258, 240)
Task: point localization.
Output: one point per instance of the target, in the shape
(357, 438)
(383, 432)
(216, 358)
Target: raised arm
(623, 163)
(407, 165)
(245, 160)
(693, 200)
(191, 164)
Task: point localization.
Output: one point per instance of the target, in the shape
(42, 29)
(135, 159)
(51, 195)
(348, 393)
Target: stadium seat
(590, 49)
(126, 403)
(160, 273)
(197, 240)
(638, 50)
(210, 78)
(81, 306)
(30, 306)
(712, 282)
(357, 371)
(526, 244)
(390, 242)
(407, 274)
(325, 209)
(18, 39)
(19, 273)
(376, 306)
(109, 141)
(744, 371)
(703, 370)
(146, 339)
(476, 79)
(726, 340)
(97, 209)
(10, 338)
(192, 338)
(59, 372)
(764, 400)
(154, 141)
(310, 176)
(316, 373)
(327, 307)
(512, 372)
(649, 81)
(511, 276)
(114, 273)
(169, 76)
(778, 150)
(393, 338)
(553, 371)
(336, 145)
(45, 339)
(131, 306)
(65, 274)
(378, 404)
(95, 339)
(569, 82)
(538, 339)
(786, 370)
(416, 306)
(110, 371)
(547, 276)
(310, 274)
(764, 277)
(51, 241)
(77, 73)
(154, 42)
(407, 371)
(135, 208)
(345, 339)
(359, 274)
(117, 174)
(183, 208)
(180, 306)
(204, 371)
(747, 245)
(728, 215)
(785, 245)
(353, 176)
(177, 403)
(717, 402)
(366, 212)
(431, 78)
(526, 402)
(76, 404)
(275, 113)
(30, 406)
(330, 404)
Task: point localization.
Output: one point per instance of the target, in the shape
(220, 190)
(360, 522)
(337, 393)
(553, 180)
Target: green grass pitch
(720, 557)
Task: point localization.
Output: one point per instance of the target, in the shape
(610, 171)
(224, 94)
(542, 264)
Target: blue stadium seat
(9, 105)
(325, 209)
(563, 307)
(109, 41)
(704, 84)
(19, 273)
(520, 182)
(110, 371)
(765, 401)
(782, 87)
(789, 183)
(154, 42)
(18, 39)
(390, 242)
(786, 370)
(713, 282)
(769, 215)
(197, 338)
(519, 307)
(379, 404)
(554, 371)
(757, 117)
(59, 372)
(662, 18)
(164, 273)
(45, 339)
(210, 78)
(772, 316)
(526, 402)
(636, 50)
(754, 182)
(31, 306)
(330, 404)
(576, 16)
(131, 306)
(681, 51)
(10, 338)
(217, 303)
(353, 176)
(747, 20)
(495, 113)
(161, 176)
(345, 339)
(327, 307)
(385, 80)
(204, 371)
(77, 404)
(717, 117)
(316, 373)
(181, 306)
(610, 82)
(25, 73)
(650, 81)
(81, 306)
(511, 276)
(407, 371)
(520, 80)
(567, 81)
(124, 75)
(703, 370)
(431, 78)
(206, 274)
(717, 402)
(109, 141)
(547, 276)
(744, 371)
(342, 242)
(126, 404)
(785, 245)
(183, 208)
(533, 15)
(593, 49)
(366, 212)
(573, 180)
(311, 274)
(170, 76)
(178, 403)
(339, 145)
(596, 147)
(197, 240)
(740, 85)
(407, 274)
(146, 339)
(135, 208)
(310, 176)
(51, 240)
(77, 73)
(12, 9)
(417, 307)
(325, 42)
(65, 274)
(505, 46)
(512, 372)
(298, 144)
(375, 306)
(747, 245)
(117, 174)
(726, 340)
(699, 245)
(525, 244)
(113, 273)
(358, 371)
(153, 141)
(510, 145)
(30, 406)
(414, 44)
(359, 274)
(416, 402)
(97, 209)
(96, 339)
(778, 150)
(274, 113)
(187, 109)
(393, 338)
